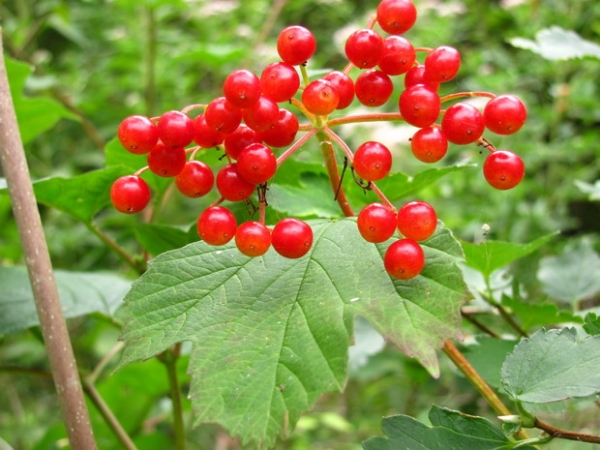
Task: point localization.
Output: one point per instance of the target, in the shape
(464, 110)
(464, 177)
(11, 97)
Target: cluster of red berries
(247, 123)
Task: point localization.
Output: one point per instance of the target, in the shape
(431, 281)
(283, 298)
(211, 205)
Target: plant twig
(565, 434)
(478, 324)
(169, 358)
(45, 292)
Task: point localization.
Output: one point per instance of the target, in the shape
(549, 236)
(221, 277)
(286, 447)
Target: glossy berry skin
(376, 223)
(416, 220)
(231, 185)
(240, 138)
(429, 144)
(205, 136)
(320, 97)
(296, 44)
(175, 129)
(420, 105)
(222, 116)
(283, 132)
(280, 81)
(503, 169)
(504, 114)
(253, 238)
(372, 161)
(166, 161)
(364, 48)
(404, 259)
(373, 88)
(343, 85)
(463, 124)
(256, 163)
(130, 194)
(442, 64)
(292, 238)
(137, 134)
(416, 75)
(216, 225)
(398, 55)
(396, 16)
(262, 114)
(195, 180)
(242, 88)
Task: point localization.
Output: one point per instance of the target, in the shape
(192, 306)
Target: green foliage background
(95, 62)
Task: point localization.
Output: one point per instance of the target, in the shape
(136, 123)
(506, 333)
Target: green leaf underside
(80, 294)
(269, 335)
(449, 430)
(491, 255)
(556, 43)
(553, 365)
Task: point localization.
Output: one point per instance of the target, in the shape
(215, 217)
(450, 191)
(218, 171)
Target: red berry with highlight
(256, 163)
(292, 238)
(503, 169)
(222, 116)
(429, 144)
(130, 194)
(280, 81)
(373, 88)
(175, 129)
(242, 88)
(404, 259)
(205, 136)
(216, 225)
(372, 161)
(416, 75)
(505, 114)
(253, 238)
(417, 220)
(195, 180)
(283, 132)
(137, 134)
(231, 185)
(296, 44)
(166, 161)
(239, 139)
(364, 48)
(376, 223)
(396, 16)
(343, 85)
(398, 55)
(420, 105)
(320, 97)
(463, 124)
(262, 114)
(442, 64)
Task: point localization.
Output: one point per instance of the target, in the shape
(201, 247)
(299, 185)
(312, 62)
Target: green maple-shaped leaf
(269, 335)
(449, 430)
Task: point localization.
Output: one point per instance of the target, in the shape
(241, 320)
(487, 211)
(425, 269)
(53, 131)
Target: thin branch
(45, 292)
(565, 434)
(169, 358)
(482, 327)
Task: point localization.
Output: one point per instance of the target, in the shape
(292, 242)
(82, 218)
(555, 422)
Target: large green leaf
(80, 293)
(34, 114)
(538, 314)
(553, 365)
(269, 334)
(449, 430)
(491, 255)
(556, 43)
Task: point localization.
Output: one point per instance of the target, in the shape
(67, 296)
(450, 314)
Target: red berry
(296, 44)
(376, 223)
(442, 64)
(416, 75)
(398, 55)
(373, 87)
(283, 132)
(130, 194)
(462, 124)
(205, 136)
(396, 16)
(320, 97)
(242, 88)
(364, 48)
(420, 105)
(417, 220)
(137, 134)
(404, 259)
(216, 225)
(262, 114)
(231, 185)
(343, 85)
(372, 161)
(240, 138)
(195, 180)
(166, 161)
(505, 114)
(280, 81)
(292, 238)
(429, 144)
(503, 169)
(175, 129)
(222, 116)
(253, 238)
(256, 163)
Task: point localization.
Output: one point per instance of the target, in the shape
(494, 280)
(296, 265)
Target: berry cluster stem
(457, 95)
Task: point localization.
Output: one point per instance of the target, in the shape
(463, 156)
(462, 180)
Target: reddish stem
(362, 118)
(295, 146)
(332, 170)
(456, 95)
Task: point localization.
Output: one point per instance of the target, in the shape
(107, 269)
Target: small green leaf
(269, 335)
(573, 275)
(449, 430)
(80, 293)
(553, 365)
(158, 239)
(491, 255)
(591, 324)
(556, 43)
(537, 314)
(487, 356)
